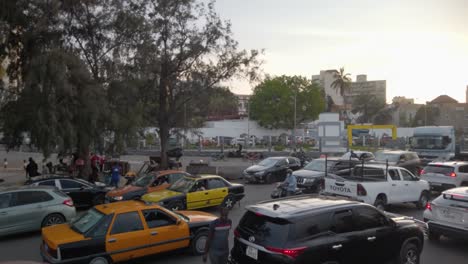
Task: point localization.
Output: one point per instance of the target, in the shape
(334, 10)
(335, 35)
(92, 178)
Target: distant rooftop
(444, 99)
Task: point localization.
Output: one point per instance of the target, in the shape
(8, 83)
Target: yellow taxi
(193, 192)
(123, 231)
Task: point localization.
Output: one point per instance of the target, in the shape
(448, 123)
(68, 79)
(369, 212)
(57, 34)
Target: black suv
(271, 169)
(320, 229)
(401, 158)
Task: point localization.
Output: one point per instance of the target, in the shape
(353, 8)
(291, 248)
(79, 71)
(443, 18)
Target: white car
(380, 185)
(446, 175)
(448, 214)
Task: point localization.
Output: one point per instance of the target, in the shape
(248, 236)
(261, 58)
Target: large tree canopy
(272, 103)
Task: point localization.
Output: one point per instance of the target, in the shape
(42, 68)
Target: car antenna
(326, 165)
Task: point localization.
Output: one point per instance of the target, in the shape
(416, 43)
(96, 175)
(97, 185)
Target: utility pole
(295, 114)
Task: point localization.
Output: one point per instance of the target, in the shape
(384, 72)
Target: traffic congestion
(332, 210)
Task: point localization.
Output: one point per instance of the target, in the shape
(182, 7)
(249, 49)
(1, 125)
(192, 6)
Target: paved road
(26, 246)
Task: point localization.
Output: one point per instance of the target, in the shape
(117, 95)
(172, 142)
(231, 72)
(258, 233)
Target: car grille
(300, 180)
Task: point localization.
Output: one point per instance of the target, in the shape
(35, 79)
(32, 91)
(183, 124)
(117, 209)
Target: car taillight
(361, 191)
(452, 174)
(422, 171)
(290, 252)
(68, 202)
(236, 233)
(429, 206)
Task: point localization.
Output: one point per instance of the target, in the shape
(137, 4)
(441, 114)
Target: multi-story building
(450, 113)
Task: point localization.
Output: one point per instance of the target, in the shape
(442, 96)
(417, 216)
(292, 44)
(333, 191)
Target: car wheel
(229, 201)
(268, 178)
(433, 236)
(199, 242)
(53, 219)
(409, 254)
(175, 206)
(380, 204)
(100, 260)
(423, 200)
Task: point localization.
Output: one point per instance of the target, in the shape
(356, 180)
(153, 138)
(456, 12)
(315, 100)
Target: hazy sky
(419, 46)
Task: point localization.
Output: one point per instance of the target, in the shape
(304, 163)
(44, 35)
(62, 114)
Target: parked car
(360, 155)
(271, 169)
(380, 186)
(83, 193)
(306, 229)
(236, 141)
(144, 184)
(193, 192)
(122, 231)
(447, 214)
(446, 175)
(401, 158)
(29, 208)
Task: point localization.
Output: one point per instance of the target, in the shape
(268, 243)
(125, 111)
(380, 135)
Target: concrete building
(401, 100)
(450, 113)
(325, 79)
(363, 86)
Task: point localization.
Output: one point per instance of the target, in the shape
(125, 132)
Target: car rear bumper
(441, 186)
(238, 256)
(447, 230)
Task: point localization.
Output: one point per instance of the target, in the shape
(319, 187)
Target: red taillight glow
(422, 172)
(361, 191)
(236, 233)
(429, 206)
(290, 252)
(453, 174)
(68, 202)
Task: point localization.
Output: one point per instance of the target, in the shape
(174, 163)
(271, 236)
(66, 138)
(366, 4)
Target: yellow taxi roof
(204, 176)
(124, 206)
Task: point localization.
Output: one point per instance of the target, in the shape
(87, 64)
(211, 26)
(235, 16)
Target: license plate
(252, 252)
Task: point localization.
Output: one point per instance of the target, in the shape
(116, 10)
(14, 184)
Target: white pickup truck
(380, 185)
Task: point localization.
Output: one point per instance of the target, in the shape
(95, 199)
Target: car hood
(256, 168)
(308, 173)
(123, 190)
(61, 234)
(198, 216)
(159, 196)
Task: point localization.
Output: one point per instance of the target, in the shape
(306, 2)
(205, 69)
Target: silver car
(448, 214)
(31, 208)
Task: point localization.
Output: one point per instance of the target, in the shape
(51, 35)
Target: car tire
(175, 206)
(53, 219)
(198, 243)
(229, 201)
(409, 254)
(423, 200)
(433, 236)
(268, 178)
(100, 260)
(380, 204)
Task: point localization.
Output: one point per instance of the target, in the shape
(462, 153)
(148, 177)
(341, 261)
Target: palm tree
(341, 85)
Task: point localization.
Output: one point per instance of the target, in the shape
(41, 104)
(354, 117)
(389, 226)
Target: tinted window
(463, 169)
(127, 222)
(282, 162)
(267, 230)
(31, 197)
(67, 184)
(5, 200)
(342, 222)
(438, 169)
(406, 175)
(87, 221)
(101, 228)
(215, 183)
(47, 183)
(367, 218)
(369, 172)
(394, 175)
(174, 177)
(314, 225)
(156, 218)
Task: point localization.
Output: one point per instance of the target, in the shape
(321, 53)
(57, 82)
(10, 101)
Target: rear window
(267, 230)
(315, 225)
(374, 173)
(438, 169)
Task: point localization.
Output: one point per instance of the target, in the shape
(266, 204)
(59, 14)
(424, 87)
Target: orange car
(123, 231)
(146, 183)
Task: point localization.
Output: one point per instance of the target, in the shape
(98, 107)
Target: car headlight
(118, 198)
(161, 203)
(260, 173)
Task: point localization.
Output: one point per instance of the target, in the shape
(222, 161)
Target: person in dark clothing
(115, 175)
(217, 244)
(31, 168)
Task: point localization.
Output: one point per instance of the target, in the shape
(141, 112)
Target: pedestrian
(31, 168)
(5, 163)
(93, 177)
(115, 175)
(217, 244)
(290, 183)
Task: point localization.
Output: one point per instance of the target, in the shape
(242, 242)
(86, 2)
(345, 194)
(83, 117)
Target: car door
(378, 234)
(165, 231)
(346, 245)
(127, 237)
(79, 192)
(6, 223)
(280, 172)
(411, 186)
(397, 188)
(218, 190)
(198, 197)
(26, 209)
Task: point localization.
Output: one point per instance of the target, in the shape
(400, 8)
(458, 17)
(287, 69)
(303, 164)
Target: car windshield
(429, 142)
(319, 165)
(268, 162)
(87, 221)
(181, 216)
(182, 185)
(144, 180)
(383, 157)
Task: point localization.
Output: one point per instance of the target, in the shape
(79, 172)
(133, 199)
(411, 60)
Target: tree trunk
(163, 121)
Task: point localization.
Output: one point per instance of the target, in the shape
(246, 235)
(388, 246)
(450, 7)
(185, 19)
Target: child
(5, 163)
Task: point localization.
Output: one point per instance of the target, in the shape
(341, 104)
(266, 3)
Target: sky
(419, 47)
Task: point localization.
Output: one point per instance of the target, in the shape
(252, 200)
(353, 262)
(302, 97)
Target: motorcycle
(280, 191)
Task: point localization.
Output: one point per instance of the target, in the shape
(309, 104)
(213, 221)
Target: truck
(379, 185)
(434, 143)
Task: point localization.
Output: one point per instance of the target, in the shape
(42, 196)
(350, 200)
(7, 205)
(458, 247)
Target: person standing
(5, 163)
(290, 183)
(32, 168)
(115, 175)
(217, 244)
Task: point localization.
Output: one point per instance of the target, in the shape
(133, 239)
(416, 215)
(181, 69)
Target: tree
(341, 82)
(272, 102)
(186, 49)
(368, 106)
